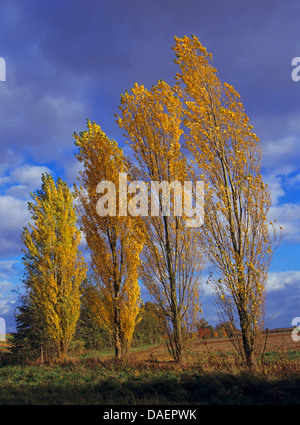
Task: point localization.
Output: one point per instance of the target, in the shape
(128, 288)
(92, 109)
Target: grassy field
(211, 374)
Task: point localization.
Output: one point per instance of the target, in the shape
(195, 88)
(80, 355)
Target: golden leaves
(223, 145)
(115, 242)
(151, 119)
(54, 266)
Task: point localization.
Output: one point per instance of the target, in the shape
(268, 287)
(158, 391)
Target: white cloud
(278, 154)
(6, 306)
(276, 187)
(29, 174)
(5, 285)
(281, 160)
(288, 217)
(281, 280)
(8, 268)
(13, 213)
(7, 298)
(17, 183)
(25, 179)
(206, 289)
(280, 145)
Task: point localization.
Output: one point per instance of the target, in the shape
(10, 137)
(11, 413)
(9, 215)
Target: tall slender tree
(115, 240)
(172, 261)
(54, 267)
(237, 201)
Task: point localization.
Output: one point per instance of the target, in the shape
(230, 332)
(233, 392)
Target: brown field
(279, 344)
(276, 340)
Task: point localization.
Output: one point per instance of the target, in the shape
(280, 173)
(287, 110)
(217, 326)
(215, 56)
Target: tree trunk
(176, 320)
(117, 334)
(248, 340)
(177, 338)
(176, 323)
(62, 349)
(42, 355)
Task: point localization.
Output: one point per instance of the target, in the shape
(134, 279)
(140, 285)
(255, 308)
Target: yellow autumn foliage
(228, 154)
(115, 242)
(172, 259)
(55, 268)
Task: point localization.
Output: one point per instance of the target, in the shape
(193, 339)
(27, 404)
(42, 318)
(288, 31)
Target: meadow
(211, 374)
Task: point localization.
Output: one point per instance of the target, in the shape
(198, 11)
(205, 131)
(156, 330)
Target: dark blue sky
(67, 61)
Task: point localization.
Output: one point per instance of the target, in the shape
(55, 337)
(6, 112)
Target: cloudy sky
(67, 61)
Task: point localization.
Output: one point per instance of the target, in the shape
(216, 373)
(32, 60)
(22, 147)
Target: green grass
(91, 381)
(272, 356)
(110, 351)
(94, 378)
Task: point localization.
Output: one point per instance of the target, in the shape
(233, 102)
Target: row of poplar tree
(195, 130)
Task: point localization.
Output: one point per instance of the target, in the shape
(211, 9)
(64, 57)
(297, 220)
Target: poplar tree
(115, 241)
(172, 261)
(54, 267)
(228, 155)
